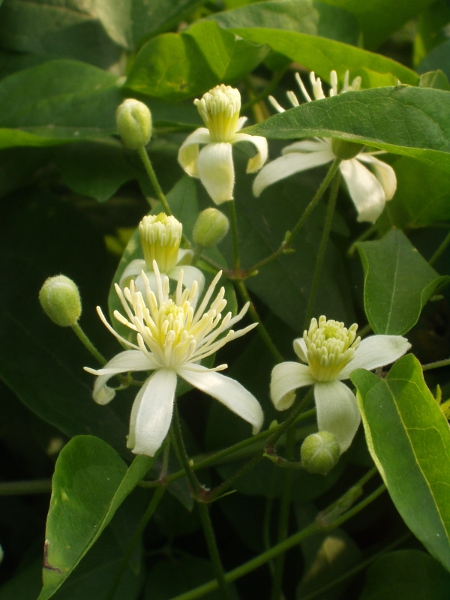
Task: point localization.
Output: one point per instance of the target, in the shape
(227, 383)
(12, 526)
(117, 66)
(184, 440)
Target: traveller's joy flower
(160, 237)
(172, 337)
(369, 191)
(213, 164)
(331, 353)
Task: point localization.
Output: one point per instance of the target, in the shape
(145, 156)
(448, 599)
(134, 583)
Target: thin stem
(202, 507)
(283, 522)
(322, 249)
(218, 491)
(265, 557)
(365, 330)
(289, 421)
(366, 234)
(152, 176)
(273, 84)
(22, 488)
(266, 531)
(265, 335)
(436, 365)
(440, 250)
(234, 237)
(290, 236)
(88, 344)
(159, 492)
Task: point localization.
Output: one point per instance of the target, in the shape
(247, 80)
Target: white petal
(287, 377)
(152, 413)
(152, 282)
(190, 274)
(241, 122)
(129, 360)
(337, 411)
(287, 165)
(188, 152)
(384, 173)
(227, 391)
(184, 257)
(216, 171)
(260, 143)
(131, 271)
(300, 349)
(315, 145)
(365, 190)
(376, 351)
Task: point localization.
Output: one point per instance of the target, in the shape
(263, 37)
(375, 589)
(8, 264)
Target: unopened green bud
(320, 452)
(60, 299)
(211, 227)
(134, 122)
(345, 150)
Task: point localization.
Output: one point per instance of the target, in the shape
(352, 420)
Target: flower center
(329, 347)
(160, 239)
(219, 108)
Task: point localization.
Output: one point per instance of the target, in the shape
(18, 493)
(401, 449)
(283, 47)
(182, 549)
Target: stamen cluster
(219, 108)
(329, 347)
(160, 239)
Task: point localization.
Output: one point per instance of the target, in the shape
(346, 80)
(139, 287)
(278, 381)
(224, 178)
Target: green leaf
(379, 18)
(41, 362)
(56, 102)
(435, 79)
(408, 574)
(411, 121)
(323, 55)
(303, 16)
(176, 66)
(397, 283)
(129, 21)
(409, 440)
(89, 484)
(438, 58)
(57, 28)
(422, 197)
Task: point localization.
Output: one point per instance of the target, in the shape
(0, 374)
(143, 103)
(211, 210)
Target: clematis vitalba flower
(173, 336)
(330, 353)
(160, 237)
(213, 164)
(368, 190)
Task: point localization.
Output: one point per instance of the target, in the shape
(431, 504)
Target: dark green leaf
(422, 197)
(57, 28)
(323, 55)
(58, 101)
(89, 484)
(435, 79)
(176, 66)
(305, 16)
(397, 283)
(438, 58)
(411, 121)
(409, 440)
(408, 574)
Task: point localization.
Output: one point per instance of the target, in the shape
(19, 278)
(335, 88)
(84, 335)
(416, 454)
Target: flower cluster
(369, 191)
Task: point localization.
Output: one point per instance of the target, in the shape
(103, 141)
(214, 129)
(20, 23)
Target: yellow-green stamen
(219, 108)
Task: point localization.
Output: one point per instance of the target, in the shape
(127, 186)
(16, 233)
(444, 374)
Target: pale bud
(134, 123)
(60, 299)
(320, 452)
(210, 228)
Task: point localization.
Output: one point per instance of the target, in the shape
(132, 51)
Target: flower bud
(320, 452)
(134, 122)
(210, 228)
(60, 299)
(345, 150)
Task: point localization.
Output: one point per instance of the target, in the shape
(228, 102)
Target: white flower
(332, 352)
(369, 191)
(160, 237)
(173, 336)
(213, 164)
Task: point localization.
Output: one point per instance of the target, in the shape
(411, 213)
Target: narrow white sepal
(216, 171)
(287, 165)
(313, 145)
(365, 190)
(384, 173)
(300, 349)
(189, 150)
(227, 391)
(152, 413)
(131, 271)
(129, 360)
(376, 351)
(260, 143)
(287, 377)
(337, 411)
(190, 274)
